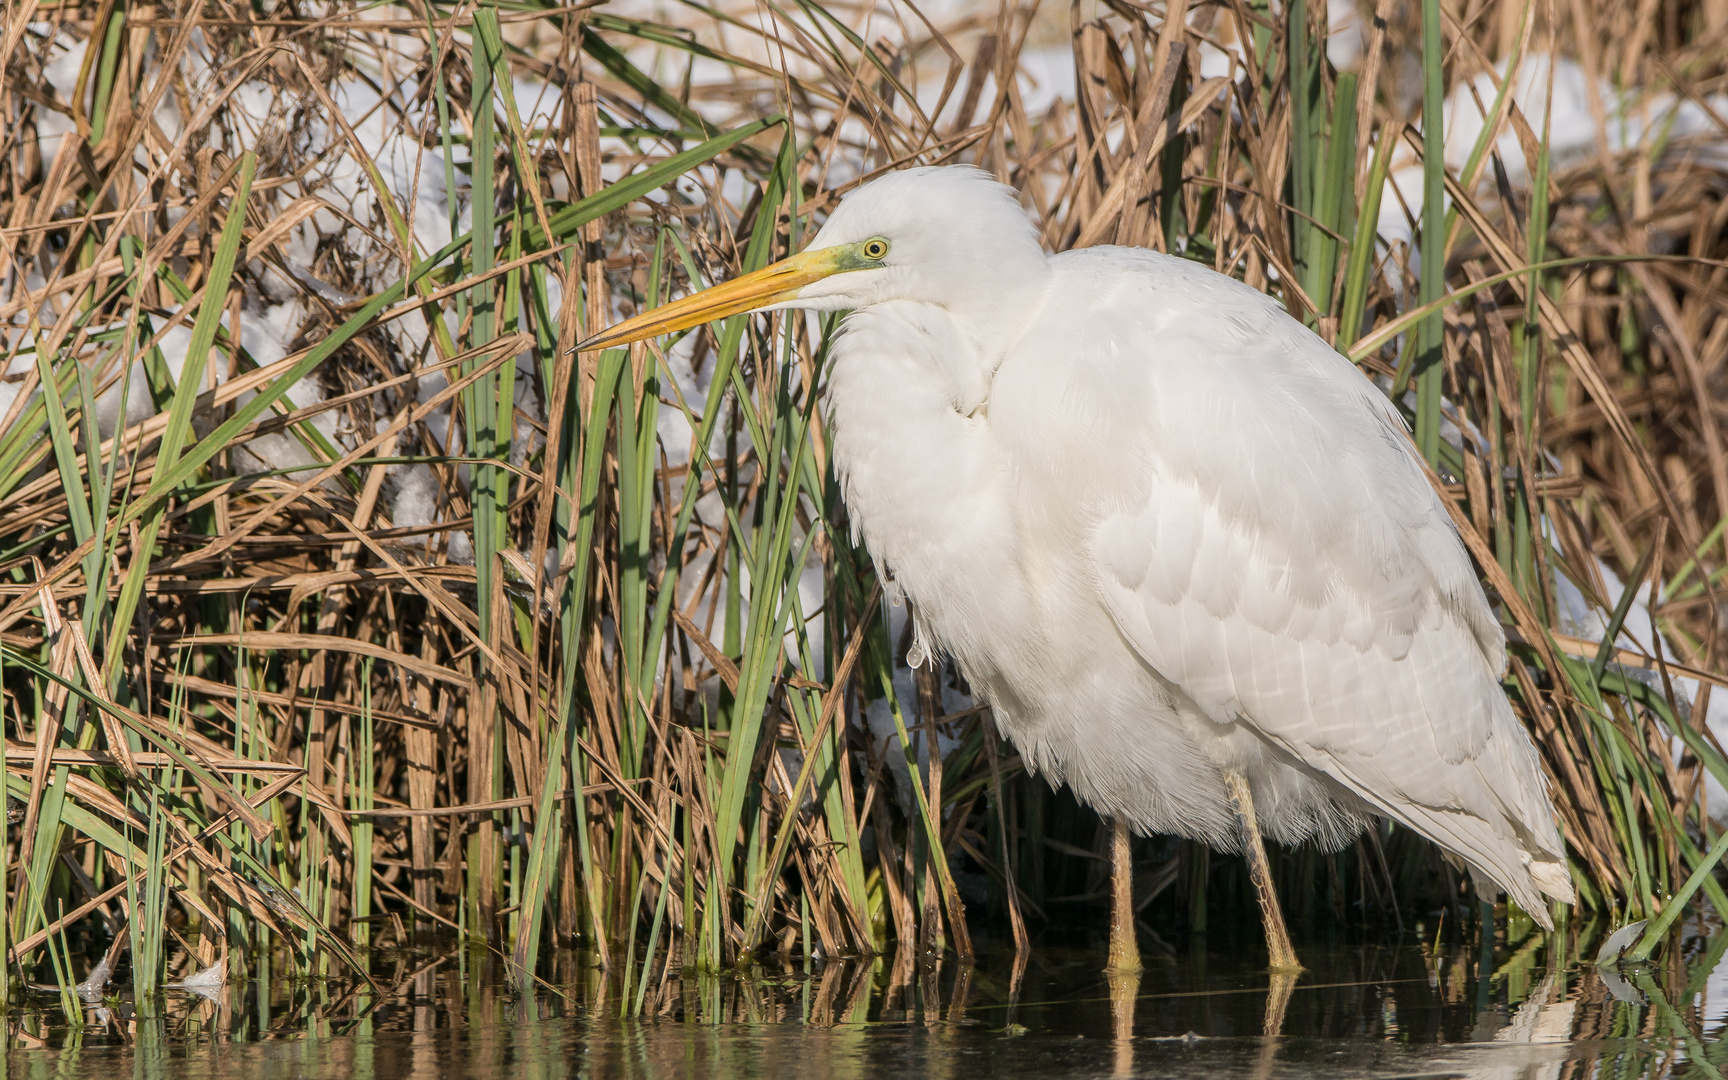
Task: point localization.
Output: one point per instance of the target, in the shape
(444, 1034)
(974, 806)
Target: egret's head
(945, 235)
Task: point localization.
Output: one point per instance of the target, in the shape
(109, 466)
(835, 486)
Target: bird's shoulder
(1161, 289)
(1227, 462)
(1198, 377)
(1175, 309)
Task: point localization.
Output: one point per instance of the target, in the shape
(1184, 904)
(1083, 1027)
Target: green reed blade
(486, 489)
(635, 1009)
(361, 798)
(1676, 904)
(584, 458)
(105, 67)
(620, 67)
(1430, 332)
(179, 428)
(1306, 152)
(311, 439)
(60, 958)
(1335, 195)
(66, 460)
(1360, 268)
(1622, 608)
(618, 195)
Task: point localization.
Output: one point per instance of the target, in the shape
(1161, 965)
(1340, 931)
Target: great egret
(1180, 545)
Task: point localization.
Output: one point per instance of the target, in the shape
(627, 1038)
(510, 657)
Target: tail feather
(1552, 877)
(1544, 879)
(1498, 854)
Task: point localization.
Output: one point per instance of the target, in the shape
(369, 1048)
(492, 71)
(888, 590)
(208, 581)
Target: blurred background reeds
(342, 604)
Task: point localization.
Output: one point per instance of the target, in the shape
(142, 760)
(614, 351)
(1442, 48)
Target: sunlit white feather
(1166, 532)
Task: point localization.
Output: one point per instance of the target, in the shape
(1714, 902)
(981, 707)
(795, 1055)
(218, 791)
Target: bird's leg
(1124, 951)
(1123, 972)
(1282, 956)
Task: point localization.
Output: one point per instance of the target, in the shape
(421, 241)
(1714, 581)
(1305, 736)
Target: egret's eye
(875, 250)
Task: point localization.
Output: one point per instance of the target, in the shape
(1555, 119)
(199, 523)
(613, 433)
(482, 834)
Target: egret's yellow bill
(770, 285)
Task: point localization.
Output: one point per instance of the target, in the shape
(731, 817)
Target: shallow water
(1379, 1010)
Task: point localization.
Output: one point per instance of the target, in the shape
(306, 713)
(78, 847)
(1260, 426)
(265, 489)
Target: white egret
(1180, 545)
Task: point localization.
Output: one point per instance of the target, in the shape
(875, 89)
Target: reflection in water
(1519, 1013)
(1124, 996)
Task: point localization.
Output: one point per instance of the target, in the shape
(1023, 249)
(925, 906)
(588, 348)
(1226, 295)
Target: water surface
(1404, 1009)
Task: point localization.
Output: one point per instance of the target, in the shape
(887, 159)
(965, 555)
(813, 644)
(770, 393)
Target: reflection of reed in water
(1357, 1014)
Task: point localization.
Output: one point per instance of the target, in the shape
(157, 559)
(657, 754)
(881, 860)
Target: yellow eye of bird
(876, 249)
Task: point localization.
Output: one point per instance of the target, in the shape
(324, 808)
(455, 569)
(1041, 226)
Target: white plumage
(1167, 532)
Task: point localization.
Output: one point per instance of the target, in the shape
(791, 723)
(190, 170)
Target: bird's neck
(925, 484)
(977, 337)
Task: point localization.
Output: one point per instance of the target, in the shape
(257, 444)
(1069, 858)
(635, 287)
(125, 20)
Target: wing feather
(1276, 554)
